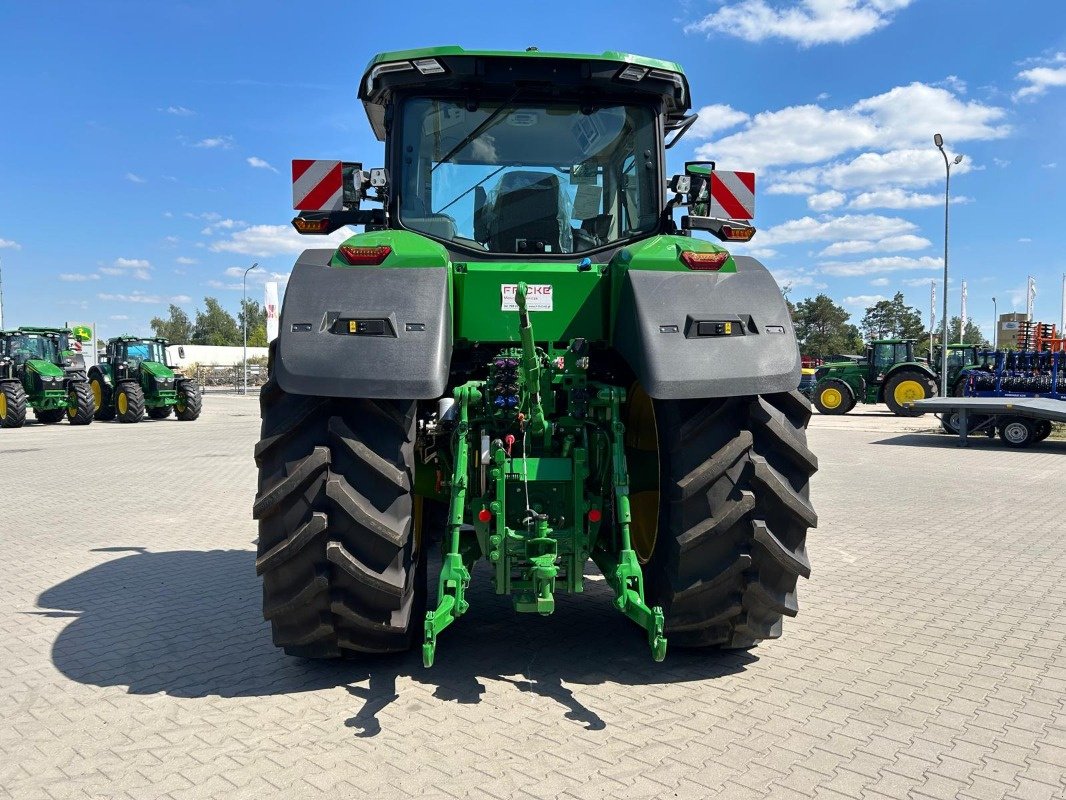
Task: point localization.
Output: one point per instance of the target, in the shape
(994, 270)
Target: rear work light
(311, 225)
(364, 256)
(737, 233)
(704, 261)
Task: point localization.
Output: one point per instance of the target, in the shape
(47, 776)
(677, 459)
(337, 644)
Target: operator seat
(527, 214)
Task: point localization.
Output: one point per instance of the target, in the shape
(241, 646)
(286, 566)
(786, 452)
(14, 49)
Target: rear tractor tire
(80, 404)
(731, 538)
(190, 401)
(906, 386)
(833, 396)
(340, 553)
(129, 402)
(12, 405)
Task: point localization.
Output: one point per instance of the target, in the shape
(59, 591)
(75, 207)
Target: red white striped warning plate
(317, 185)
(732, 195)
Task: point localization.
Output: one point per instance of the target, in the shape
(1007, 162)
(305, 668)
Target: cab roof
(450, 69)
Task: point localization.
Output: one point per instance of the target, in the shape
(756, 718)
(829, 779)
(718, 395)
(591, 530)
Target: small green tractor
(888, 374)
(525, 345)
(38, 370)
(133, 377)
(960, 357)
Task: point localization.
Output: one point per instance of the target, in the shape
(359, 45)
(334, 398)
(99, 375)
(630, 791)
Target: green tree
(257, 325)
(973, 333)
(176, 328)
(893, 319)
(822, 328)
(215, 326)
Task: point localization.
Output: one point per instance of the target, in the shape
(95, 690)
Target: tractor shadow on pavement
(188, 623)
(979, 441)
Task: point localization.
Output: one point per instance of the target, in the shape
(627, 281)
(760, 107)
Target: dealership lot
(928, 658)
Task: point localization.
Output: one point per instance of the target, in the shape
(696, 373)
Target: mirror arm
(679, 129)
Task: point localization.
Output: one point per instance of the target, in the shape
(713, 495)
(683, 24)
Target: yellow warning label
(729, 329)
(353, 326)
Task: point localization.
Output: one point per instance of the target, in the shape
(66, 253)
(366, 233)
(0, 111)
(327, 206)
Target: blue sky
(145, 147)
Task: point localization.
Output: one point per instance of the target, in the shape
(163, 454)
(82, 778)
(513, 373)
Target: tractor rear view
(133, 378)
(524, 339)
(37, 371)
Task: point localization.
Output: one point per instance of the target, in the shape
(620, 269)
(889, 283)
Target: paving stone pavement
(928, 659)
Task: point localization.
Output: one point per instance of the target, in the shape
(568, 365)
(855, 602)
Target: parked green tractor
(960, 357)
(889, 374)
(37, 371)
(133, 377)
(524, 340)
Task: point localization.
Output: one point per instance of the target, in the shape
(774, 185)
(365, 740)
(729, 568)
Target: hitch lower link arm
(454, 574)
(623, 572)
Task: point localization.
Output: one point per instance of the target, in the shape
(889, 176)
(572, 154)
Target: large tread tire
(904, 375)
(847, 397)
(14, 405)
(734, 476)
(49, 416)
(105, 407)
(343, 568)
(134, 402)
(82, 409)
(190, 401)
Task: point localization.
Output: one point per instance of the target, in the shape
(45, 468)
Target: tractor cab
(883, 354)
(133, 352)
(25, 345)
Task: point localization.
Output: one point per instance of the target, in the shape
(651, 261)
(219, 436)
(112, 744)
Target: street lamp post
(995, 325)
(938, 140)
(244, 319)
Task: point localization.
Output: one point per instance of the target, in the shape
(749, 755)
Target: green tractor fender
(692, 334)
(374, 332)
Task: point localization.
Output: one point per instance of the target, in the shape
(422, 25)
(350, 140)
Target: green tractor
(38, 369)
(960, 357)
(133, 377)
(525, 347)
(889, 374)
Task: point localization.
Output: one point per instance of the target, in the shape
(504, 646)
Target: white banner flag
(270, 305)
(1030, 296)
(962, 315)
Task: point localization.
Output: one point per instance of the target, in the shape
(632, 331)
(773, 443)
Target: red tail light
(364, 256)
(595, 515)
(484, 515)
(706, 261)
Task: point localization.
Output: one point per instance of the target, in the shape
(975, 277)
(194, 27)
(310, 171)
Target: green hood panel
(45, 368)
(157, 370)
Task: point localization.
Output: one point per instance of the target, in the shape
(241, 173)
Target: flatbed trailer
(1021, 421)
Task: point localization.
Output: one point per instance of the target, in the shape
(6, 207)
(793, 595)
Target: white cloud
(825, 201)
(923, 281)
(954, 83)
(132, 263)
(220, 142)
(794, 278)
(1039, 79)
(147, 299)
(119, 316)
(900, 198)
(1025, 240)
(807, 23)
(790, 187)
(222, 225)
(865, 227)
(886, 245)
(9, 243)
(258, 163)
(179, 111)
(879, 282)
(1050, 165)
(186, 260)
(78, 277)
(712, 119)
(1001, 163)
(135, 178)
(863, 300)
(272, 240)
(897, 119)
(874, 265)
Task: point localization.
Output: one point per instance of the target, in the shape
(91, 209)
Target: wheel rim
(642, 435)
(831, 397)
(908, 391)
(72, 404)
(180, 405)
(98, 394)
(123, 403)
(3, 406)
(1015, 432)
